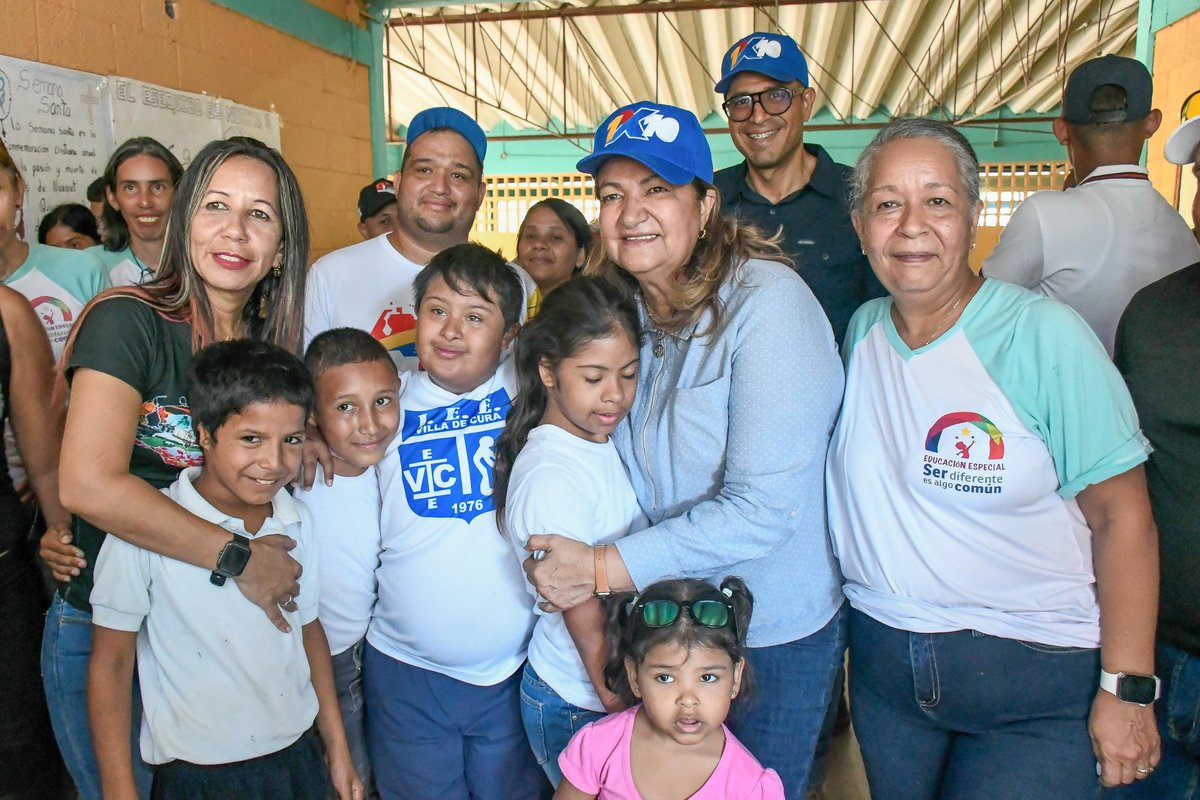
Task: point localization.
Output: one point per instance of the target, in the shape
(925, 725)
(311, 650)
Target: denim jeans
(967, 716)
(1178, 714)
(432, 737)
(66, 647)
(348, 680)
(550, 722)
(781, 721)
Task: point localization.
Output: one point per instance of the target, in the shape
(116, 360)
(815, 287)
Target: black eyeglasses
(774, 101)
(664, 613)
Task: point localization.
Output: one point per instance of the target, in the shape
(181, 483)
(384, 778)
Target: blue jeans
(550, 722)
(66, 647)
(431, 737)
(781, 722)
(1178, 714)
(348, 680)
(967, 716)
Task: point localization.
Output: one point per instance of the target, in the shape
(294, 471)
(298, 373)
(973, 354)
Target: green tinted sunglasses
(663, 613)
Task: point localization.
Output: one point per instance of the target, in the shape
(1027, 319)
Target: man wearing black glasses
(786, 183)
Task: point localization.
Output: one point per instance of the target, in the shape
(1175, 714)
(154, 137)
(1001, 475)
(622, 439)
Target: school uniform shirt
(220, 683)
(1095, 245)
(369, 286)
(58, 283)
(346, 530)
(124, 268)
(452, 598)
(597, 762)
(954, 469)
(561, 483)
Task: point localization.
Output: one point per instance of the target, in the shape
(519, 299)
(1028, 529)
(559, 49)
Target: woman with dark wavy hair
(233, 267)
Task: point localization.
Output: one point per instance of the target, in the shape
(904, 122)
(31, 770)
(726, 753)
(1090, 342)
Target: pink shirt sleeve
(588, 758)
(769, 787)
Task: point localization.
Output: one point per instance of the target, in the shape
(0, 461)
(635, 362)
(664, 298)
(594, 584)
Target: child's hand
(346, 782)
(63, 559)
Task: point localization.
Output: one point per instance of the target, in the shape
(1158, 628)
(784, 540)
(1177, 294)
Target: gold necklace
(938, 329)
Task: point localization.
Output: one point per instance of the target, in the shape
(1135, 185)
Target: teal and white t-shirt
(124, 268)
(58, 283)
(954, 467)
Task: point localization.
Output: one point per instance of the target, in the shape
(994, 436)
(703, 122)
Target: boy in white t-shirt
(452, 623)
(357, 411)
(229, 700)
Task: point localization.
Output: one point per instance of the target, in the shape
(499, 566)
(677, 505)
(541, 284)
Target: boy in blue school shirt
(229, 700)
(453, 618)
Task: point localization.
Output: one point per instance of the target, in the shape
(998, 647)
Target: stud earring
(703, 233)
(277, 271)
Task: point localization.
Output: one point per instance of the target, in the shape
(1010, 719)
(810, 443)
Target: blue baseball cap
(666, 139)
(444, 117)
(771, 54)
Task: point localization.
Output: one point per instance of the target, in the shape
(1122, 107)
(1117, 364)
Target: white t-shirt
(563, 484)
(369, 286)
(1094, 246)
(953, 469)
(124, 268)
(220, 683)
(452, 598)
(58, 283)
(346, 529)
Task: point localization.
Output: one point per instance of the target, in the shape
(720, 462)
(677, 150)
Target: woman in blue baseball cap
(739, 385)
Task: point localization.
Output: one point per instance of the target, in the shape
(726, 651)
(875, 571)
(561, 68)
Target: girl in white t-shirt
(556, 470)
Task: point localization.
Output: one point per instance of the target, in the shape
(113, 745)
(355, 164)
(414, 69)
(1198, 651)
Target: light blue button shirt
(726, 446)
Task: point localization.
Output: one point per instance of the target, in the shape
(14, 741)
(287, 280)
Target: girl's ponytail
(524, 416)
(619, 634)
(735, 589)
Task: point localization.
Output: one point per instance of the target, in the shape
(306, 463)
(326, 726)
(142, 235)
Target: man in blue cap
(785, 183)
(438, 189)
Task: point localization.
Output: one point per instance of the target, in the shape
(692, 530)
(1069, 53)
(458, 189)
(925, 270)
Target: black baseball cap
(1127, 73)
(374, 197)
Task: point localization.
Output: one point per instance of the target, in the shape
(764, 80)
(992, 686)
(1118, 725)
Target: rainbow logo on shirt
(47, 315)
(967, 420)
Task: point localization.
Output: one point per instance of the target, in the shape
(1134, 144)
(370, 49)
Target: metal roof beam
(645, 7)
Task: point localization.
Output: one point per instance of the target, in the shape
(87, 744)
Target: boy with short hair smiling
(229, 700)
(357, 411)
(453, 617)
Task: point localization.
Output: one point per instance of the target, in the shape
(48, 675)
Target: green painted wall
(1004, 142)
(1153, 16)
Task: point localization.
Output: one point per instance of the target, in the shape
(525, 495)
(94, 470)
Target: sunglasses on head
(664, 613)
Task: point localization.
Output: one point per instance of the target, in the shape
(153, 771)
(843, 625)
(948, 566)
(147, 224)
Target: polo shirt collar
(1114, 169)
(825, 179)
(283, 506)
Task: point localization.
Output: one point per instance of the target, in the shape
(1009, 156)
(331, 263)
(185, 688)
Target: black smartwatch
(1140, 689)
(233, 559)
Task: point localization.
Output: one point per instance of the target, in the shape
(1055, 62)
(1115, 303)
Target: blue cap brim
(671, 173)
(779, 75)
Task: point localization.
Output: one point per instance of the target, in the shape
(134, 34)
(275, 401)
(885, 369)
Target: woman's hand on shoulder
(63, 559)
(271, 579)
(1125, 739)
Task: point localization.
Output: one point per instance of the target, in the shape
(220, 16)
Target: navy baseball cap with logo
(375, 197)
(666, 139)
(1127, 73)
(442, 118)
(771, 54)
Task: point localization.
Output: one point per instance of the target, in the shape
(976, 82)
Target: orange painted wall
(1176, 75)
(322, 99)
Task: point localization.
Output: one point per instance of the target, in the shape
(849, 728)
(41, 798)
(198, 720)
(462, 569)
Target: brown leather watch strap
(600, 551)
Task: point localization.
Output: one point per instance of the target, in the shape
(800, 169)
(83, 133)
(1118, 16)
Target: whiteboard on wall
(57, 127)
(61, 126)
